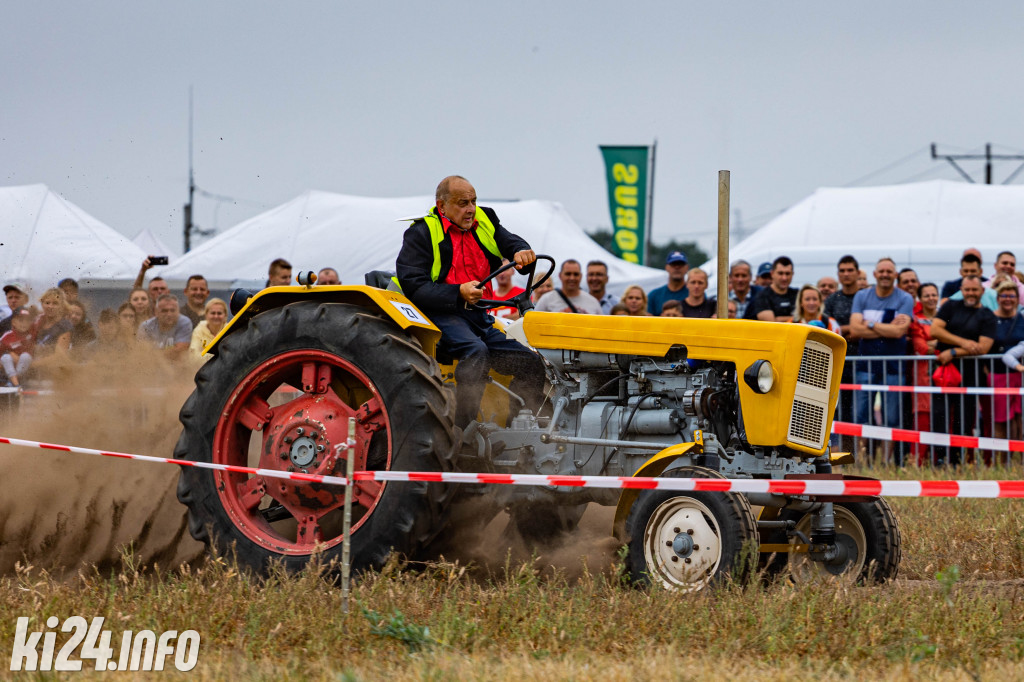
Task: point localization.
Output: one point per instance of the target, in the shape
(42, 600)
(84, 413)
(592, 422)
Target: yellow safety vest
(484, 232)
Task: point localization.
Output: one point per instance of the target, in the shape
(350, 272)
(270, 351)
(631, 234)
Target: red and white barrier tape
(881, 388)
(272, 473)
(836, 488)
(926, 437)
(952, 390)
(101, 392)
(854, 487)
(19, 391)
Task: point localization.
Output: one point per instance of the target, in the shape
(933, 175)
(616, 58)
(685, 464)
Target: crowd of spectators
(39, 340)
(897, 316)
(884, 319)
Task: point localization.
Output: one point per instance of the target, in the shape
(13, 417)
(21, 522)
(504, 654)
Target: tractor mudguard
(653, 467)
(392, 303)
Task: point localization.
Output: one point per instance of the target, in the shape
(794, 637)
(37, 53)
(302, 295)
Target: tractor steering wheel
(520, 301)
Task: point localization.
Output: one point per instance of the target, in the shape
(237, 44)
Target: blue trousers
(881, 373)
(469, 337)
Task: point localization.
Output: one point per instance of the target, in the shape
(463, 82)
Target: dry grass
(983, 537)
(441, 623)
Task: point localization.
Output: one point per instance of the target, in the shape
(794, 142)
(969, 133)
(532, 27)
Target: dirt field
(76, 531)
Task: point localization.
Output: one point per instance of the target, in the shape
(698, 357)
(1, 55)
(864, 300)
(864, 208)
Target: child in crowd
(672, 309)
(110, 337)
(16, 346)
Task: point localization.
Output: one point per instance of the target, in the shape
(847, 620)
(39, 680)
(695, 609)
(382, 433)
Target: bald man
(445, 254)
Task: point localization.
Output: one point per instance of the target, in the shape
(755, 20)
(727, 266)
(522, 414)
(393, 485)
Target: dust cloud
(591, 548)
(488, 547)
(65, 511)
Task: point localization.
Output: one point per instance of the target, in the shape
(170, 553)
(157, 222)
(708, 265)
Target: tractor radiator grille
(815, 368)
(808, 422)
(807, 425)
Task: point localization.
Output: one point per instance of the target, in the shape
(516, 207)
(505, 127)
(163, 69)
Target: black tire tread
(886, 565)
(419, 409)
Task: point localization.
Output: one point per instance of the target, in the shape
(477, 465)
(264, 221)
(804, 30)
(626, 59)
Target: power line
(886, 167)
(223, 197)
(924, 173)
(762, 219)
(1008, 148)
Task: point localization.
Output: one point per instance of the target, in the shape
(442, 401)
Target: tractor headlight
(760, 376)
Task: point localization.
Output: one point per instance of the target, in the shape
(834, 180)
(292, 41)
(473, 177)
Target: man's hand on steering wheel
(471, 292)
(524, 258)
(529, 257)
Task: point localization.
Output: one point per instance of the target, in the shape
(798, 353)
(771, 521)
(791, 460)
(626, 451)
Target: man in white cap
(17, 296)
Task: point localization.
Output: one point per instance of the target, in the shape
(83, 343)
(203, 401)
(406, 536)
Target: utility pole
(989, 158)
(191, 182)
(190, 227)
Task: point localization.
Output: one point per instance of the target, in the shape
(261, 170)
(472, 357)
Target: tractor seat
(381, 279)
(384, 279)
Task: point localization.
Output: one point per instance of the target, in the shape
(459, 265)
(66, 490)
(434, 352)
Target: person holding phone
(147, 263)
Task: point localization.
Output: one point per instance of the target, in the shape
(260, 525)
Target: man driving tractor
(445, 255)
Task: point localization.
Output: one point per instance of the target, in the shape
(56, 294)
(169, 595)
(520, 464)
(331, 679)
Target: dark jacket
(416, 257)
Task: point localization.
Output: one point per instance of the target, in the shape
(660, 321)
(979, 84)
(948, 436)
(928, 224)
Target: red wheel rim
(291, 414)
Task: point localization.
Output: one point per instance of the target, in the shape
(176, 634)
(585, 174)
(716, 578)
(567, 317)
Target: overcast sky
(385, 98)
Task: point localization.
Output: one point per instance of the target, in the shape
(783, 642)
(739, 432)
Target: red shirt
(469, 262)
(16, 342)
(506, 310)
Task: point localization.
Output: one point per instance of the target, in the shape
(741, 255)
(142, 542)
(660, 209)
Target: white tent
(44, 238)
(357, 234)
(925, 226)
(152, 245)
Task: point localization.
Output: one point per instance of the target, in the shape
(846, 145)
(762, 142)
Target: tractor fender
(653, 467)
(392, 304)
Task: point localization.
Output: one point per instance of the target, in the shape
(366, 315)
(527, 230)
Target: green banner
(626, 168)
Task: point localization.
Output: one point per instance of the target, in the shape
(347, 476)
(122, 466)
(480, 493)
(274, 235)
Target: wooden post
(723, 244)
(346, 527)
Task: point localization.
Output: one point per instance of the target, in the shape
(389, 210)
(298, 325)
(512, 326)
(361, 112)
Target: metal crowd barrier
(953, 412)
(967, 414)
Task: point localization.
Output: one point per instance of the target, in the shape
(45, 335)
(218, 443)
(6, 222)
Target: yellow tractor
(626, 396)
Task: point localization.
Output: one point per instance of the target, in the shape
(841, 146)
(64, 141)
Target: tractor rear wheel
(279, 395)
(687, 541)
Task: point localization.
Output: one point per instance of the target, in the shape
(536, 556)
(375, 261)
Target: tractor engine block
(622, 397)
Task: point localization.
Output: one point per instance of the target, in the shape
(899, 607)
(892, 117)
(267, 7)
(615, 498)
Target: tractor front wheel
(687, 541)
